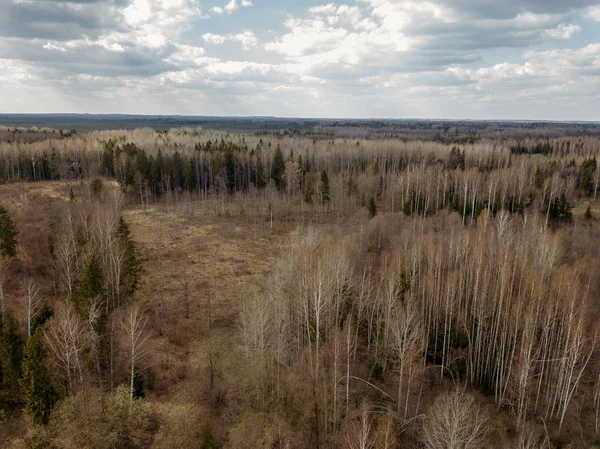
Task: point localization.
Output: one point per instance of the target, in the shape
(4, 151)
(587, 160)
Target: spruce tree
(8, 234)
(372, 207)
(11, 356)
(278, 169)
(131, 264)
(325, 186)
(36, 383)
(309, 188)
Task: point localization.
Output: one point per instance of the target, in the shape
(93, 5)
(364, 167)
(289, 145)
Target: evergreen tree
(372, 207)
(131, 264)
(309, 188)
(96, 187)
(588, 213)
(560, 210)
(456, 159)
(260, 175)
(39, 392)
(585, 177)
(325, 186)
(92, 284)
(278, 169)
(8, 234)
(11, 356)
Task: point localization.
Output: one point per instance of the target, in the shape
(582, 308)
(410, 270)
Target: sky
(447, 59)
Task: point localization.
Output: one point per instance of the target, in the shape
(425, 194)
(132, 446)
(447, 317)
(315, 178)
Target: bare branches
(134, 323)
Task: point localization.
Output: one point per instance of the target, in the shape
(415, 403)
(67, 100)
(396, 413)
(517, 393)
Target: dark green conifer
(278, 169)
(325, 186)
(8, 235)
(36, 383)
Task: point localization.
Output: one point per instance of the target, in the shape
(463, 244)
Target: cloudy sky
(478, 59)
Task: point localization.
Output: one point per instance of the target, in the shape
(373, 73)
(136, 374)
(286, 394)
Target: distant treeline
(416, 177)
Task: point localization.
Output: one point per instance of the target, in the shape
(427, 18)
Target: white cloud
(232, 6)
(371, 57)
(54, 47)
(246, 38)
(593, 13)
(563, 32)
(215, 39)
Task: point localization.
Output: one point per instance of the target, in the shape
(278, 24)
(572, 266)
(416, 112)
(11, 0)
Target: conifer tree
(309, 188)
(38, 390)
(278, 169)
(8, 234)
(325, 186)
(372, 207)
(131, 264)
(11, 356)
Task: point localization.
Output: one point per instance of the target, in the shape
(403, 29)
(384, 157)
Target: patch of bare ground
(223, 260)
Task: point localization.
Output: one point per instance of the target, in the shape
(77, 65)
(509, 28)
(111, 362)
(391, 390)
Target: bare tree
(359, 433)
(67, 339)
(456, 421)
(35, 303)
(134, 324)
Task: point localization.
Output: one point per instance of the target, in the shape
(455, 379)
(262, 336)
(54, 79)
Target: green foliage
(278, 169)
(588, 213)
(309, 187)
(325, 196)
(260, 175)
(92, 283)
(131, 264)
(372, 207)
(207, 440)
(585, 177)
(38, 390)
(8, 234)
(92, 419)
(560, 210)
(108, 157)
(96, 188)
(129, 419)
(11, 356)
(45, 313)
(456, 159)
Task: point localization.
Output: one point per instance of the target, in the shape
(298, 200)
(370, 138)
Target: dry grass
(225, 260)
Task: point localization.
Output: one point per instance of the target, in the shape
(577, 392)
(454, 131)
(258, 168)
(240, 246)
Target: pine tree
(131, 264)
(260, 175)
(92, 284)
(325, 186)
(372, 207)
(39, 392)
(309, 188)
(8, 234)
(278, 169)
(11, 356)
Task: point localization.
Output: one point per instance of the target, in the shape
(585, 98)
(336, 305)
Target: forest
(351, 289)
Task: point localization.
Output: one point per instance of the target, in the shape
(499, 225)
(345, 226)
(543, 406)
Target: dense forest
(202, 289)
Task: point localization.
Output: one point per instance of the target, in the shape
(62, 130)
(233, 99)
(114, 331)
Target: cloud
(215, 39)
(246, 38)
(593, 13)
(563, 32)
(232, 6)
(448, 58)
